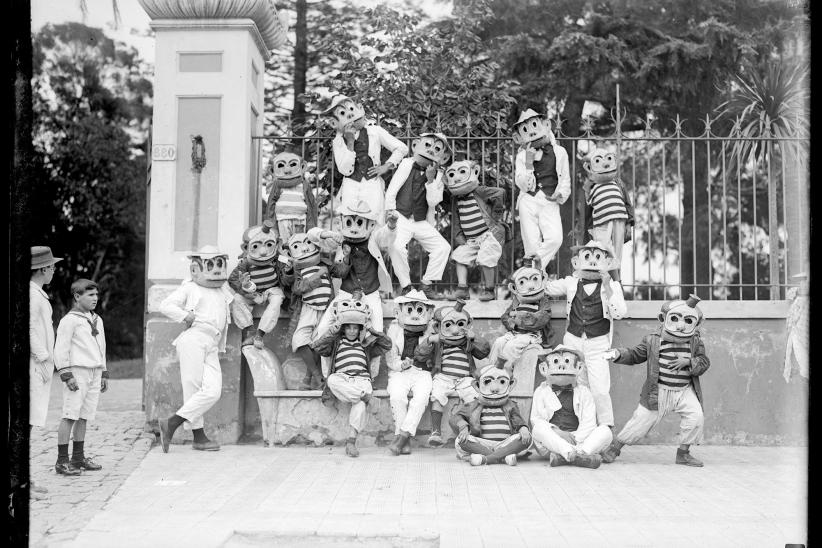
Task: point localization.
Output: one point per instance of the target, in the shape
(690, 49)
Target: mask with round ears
(494, 385)
(209, 269)
(346, 113)
(431, 147)
(353, 310)
(681, 318)
(462, 177)
(452, 322)
(288, 169)
(600, 165)
(531, 128)
(302, 251)
(591, 259)
(262, 245)
(528, 282)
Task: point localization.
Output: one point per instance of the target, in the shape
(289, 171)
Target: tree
(92, 113)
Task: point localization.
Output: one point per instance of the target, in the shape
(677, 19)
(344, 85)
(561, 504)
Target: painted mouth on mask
(429, 156)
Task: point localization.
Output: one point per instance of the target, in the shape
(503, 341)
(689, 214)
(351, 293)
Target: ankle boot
(399, 442)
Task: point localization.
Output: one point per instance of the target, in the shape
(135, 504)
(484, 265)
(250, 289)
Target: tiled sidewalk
(253, 496)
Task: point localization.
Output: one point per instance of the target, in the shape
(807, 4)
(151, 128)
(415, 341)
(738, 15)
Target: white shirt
(545, 403)
(41, 330)
(210, 306)
(378, 138)
(75, 345)
(524, 177)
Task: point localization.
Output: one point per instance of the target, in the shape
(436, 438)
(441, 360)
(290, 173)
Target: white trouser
(510, 345)
(200, 373)
(40, 376)
(370, 191)
(289, 227)
(242, 308)
(541, 226)
(351, 390)
(547, 440)
(596, 374)
(683, 402)
(416, 382)
(431, 241)
(614, 232)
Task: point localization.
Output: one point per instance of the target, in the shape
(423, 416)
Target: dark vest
(364, 272)
(545, 172)
(362, 162)
(410, 341)
(564, 417)
(411, 200)
(586, 313)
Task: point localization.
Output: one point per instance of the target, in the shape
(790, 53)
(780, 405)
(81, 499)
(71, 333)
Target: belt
(206, 328)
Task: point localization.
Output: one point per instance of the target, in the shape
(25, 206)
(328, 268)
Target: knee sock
(436, 421)
(488, 273)
(77, 451)
(474, 447)
(199, 435)
(62, 453)
(260, 333)
(510, 446)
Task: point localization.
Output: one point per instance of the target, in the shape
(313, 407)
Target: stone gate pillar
(208, 102)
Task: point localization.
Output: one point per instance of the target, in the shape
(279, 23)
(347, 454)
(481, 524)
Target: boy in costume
(563, 414)
(528, 318)
(202, 303)
(611, 211)
(449, 350)
(352, 344)
(357, 149)
(407, 376)
(594, 301)
(80, 357)
(414, 192)
(676, 358)
(542, 175)
(491, 429)
(478, 235)
(292, 203)
(256, 280)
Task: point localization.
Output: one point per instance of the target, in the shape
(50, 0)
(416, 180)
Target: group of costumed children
(433, 353)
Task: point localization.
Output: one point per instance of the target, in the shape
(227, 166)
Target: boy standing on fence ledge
(357, 149)
(414, 192)
(676, 359)
(542, 175)
(80, 357)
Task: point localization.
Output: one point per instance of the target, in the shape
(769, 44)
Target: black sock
(77, 451)
(681, 451)
(260, 333)
(174, 422)
(62, 453)
(352, 440)
(199, 435)
(436, 420)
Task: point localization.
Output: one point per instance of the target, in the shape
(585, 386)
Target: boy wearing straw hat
(80, 357)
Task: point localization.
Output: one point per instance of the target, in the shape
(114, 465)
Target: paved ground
(115, 440)
(247, 495)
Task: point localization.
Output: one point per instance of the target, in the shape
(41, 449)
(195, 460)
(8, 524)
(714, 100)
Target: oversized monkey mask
(462, 177)
(452, 323)
(681, 318)
(357, 221)
(209, 267)
(288, 169)
(431, 147)
(593, 258)
(529, 282)
(494, 385)
(303, 252)
(601, 165)
(262, 248)
(532, 128)
(346, 113)
(561, 366)
(414, 311)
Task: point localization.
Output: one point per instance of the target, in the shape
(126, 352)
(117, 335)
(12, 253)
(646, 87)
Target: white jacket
(75, 346)
(41, 330)
(188, 298)
(613, 308)
(433, 190)
(377, 139)
(545, 403)
(526, 181)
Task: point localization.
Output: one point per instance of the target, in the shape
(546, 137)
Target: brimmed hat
(562, 348)
(527, 115)
(41, 257)
(360, 209)
(414, 296)
(594, 244)
(207, 252)
(441, 137)
(336, 101)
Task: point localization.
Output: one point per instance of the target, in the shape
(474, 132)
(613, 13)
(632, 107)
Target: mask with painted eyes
(288, 169)
(414, 316)
(303, 252)
(494, 385)
(262, 245)
(452, 322)
(601, 165)
(351, 311)
(431, 147)
(209, 267)
(355, 228)
(591, 259)
(346, 112)
(528, 282)
(561, 365)
(461, 177)
(681, 318)
(531, 127)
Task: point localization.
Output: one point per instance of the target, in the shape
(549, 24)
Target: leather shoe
(555, 459)
(587, 461)
(66, 469)
(683, 457)
(207, 445)
(86, 464)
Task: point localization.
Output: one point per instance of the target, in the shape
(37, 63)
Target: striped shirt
(350, 359)
(668, 352)
(264, 277)
(608, 203)
(494, 424)
(455, 362)
(319, 297)
(526, 307)
(291, 204)
(471, 220)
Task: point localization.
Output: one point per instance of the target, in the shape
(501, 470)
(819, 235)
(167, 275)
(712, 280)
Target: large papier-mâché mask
(353, 310)
(303, 252)
(593, 258)
(431, 147)
(528, 283)
(209, 267)
(262, 245)
(452, 322)
(601, 165)
(494, 385)
(561, 365)
(357, 221)
(681, 318)
(462, 177)
(531, 130)
(348, 114)
(287, 168)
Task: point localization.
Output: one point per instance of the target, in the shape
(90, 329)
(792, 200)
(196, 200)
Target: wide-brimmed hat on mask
(526, 115)
(207, 252)
(41, 257)
(413, 296)
(359, 208)
(336, 101)
(608, 247)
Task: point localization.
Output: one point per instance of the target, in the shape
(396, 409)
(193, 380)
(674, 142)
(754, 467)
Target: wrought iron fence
(705, 222)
